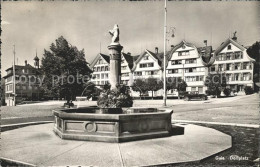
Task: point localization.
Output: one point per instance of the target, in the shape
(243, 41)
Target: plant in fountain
(115, 98)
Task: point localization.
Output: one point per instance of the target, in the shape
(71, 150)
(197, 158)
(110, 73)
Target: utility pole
(14, 93)
(164, 50)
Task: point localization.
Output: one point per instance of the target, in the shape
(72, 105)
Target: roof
(228, 41)
(159, 57)
(206, 55)
(178, 46)
(105, 57)
(20, 67)
(129, 59)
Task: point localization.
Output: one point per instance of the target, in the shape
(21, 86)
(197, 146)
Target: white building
(185, 62)
(232, 60)
(100, 68)
(147, 65)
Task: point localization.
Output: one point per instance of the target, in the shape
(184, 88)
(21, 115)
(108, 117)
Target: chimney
(172, 46)
(25, 62)
(206, 42)
(156, 50)
(129, 53)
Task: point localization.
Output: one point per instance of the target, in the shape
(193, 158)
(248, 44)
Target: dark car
(195, 95)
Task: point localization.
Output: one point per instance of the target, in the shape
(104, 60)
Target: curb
(15, 126)
(217, 123)
(11, 162)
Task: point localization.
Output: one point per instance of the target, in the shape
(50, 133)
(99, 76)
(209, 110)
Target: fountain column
(115, 64)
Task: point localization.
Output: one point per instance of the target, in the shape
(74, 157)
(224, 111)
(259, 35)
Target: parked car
(195, 95)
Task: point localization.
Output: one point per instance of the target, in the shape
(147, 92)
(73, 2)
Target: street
(239, 109)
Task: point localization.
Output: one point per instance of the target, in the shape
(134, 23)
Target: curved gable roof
(180, 45)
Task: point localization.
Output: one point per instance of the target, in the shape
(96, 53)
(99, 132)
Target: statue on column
(115, 35)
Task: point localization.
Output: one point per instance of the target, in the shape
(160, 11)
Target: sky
(33, 26)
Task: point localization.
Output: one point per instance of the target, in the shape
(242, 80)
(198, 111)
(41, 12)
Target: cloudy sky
(32, 26)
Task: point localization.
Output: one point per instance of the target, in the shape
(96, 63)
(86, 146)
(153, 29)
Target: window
(94, 69)
(183, 53)
(236, 77)
(236, 66)
(139, 73)
(125, 74)
(193, 89)
(102, 68)
(212, 68)
(228, 67)
(221, 67)
(122, 61)
(146, 57)
(97, 76)
(190, 70)
(238, 55)
(190, 61)
(102, 76)
(123, 67)
(229, 47)
(106, 68)
(146, 65)
(228, 57)
(100, 61)
(98, 69)
(174, 62)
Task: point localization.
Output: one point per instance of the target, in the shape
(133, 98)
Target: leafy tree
(65, 70)
(227, 92)
(181, 86)
(153, 84)
(215, 83)
(139, 86)
(254, 52)
(176, 83)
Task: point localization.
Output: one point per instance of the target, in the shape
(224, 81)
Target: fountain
(115, 120)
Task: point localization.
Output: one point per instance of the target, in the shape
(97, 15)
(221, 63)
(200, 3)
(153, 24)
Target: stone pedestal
(115, 64)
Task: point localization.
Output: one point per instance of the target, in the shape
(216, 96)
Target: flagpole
(14, 78)
(164, 48)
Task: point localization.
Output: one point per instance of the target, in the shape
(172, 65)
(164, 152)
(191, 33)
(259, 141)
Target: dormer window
(229, 47)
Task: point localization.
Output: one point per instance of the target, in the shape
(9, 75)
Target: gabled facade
(232, 60)
(127, 62)
(100, 68)
(185, 62)
(147, 65)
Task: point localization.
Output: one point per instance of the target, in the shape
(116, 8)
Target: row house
(232, 60)
(185, 62)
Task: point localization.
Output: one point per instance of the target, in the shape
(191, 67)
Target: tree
(254, 52)
(176, 83)
(227, 91)
(139, 86)
(65, 70)
(215, 83)
(153, 84)
(181, 86)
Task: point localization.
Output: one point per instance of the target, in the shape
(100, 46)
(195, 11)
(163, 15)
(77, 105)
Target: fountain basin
(94, 124)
